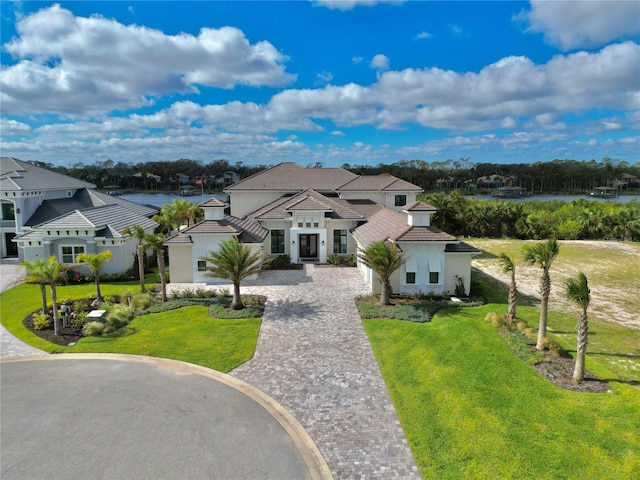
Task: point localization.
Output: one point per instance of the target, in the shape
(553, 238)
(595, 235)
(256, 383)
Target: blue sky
(357, 82)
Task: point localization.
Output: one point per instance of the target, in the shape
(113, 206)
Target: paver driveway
(313, 356)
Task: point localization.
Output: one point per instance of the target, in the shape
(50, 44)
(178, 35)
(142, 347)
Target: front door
(308, 245)
(12, 247)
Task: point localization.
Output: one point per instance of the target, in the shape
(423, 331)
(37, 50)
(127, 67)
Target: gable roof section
(247, 230)
(460, 247)
(115, 218)
(387, 223)
(213, 202)
(419, 206)
(379, 183)
(16, 175)
(307, 200)
(83, 199)
(291, 177)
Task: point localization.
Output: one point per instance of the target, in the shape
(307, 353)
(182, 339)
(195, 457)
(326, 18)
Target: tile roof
(247, 229)
(16, 175)
(291, 177)
(213, 202)
(114, 217)
(419, 206)
(383, 182)
(461, 247)
(387, 223)
(50, 209)
(309, 200)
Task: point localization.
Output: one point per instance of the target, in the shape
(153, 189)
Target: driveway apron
(313, 356)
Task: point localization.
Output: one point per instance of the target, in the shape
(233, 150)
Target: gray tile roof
(16, 175)
(50, 209)
(213, 202)
(461, 247)
(113, 217)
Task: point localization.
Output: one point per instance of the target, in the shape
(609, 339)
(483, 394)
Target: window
(277, 241)
(434, 277)
(316, 222)
(70, 253)
(340, 241)
(401, 200)
(411, 277)
(202, 266)
(308, 221)
(300, 221)
(8, 211)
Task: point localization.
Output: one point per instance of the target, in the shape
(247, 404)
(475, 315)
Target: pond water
(161, 199)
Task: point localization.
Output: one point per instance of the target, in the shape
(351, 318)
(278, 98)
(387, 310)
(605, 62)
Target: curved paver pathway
(11, 274)
(313, 356)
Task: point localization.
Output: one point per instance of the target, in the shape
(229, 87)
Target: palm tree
(35, 274)
(95, 262)
(235, 262)
(383, 258)
(542, 254)
(509, 266)
(577, 290)
(139, 233)
(156, 243)
(52, 273)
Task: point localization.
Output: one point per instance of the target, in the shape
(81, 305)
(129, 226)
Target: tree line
(557, 175)
(579, 219)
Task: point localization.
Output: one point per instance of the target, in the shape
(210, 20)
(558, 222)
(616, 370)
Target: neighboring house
(312, 213)
(46, 213)
(226, 179)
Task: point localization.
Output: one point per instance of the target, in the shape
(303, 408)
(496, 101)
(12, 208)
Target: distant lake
(161, 199)
(561, 198)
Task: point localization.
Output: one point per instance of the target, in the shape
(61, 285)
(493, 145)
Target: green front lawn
(187, 334)
(471, 409)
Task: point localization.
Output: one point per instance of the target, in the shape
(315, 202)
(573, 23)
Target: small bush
(78, 319)
(41, 321)
(520, 325)
(80, 306)
(496, 319)
(530, 332)
(281, 261)
(521, 347)
(93, 329)
(126, 296)
(552, 347)
(117, 317)
(142, 301)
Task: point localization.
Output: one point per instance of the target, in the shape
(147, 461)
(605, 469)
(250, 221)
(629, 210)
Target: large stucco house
(45, 213)
(312, 213)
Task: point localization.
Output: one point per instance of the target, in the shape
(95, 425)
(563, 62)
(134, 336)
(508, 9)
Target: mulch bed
(559, 371)
(68, 334)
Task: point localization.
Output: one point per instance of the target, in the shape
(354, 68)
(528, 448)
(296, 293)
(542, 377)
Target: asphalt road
(68, 417)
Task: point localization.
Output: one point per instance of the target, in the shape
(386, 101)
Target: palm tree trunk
(581, 350)
(161, 270)
(236, 301)
(43, 292)
(56, 318)
(384, 294)
(141, 268)
(98, 293)
(545, 291)
(512, 301)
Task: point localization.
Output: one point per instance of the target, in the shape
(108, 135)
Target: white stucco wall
(180, 268)
(247, 202)
(458, 264)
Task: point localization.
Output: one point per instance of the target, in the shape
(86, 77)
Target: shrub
(552, 347)
(93, 329)
(342, 260)
(496, 319)
(281, 261)
(223, 312)
(459, 288)
(78, 319)
(41, 321)
(530, 332)
(142, 301)
(117, 317)
(126, 296)
(80, 307)
(521, 347)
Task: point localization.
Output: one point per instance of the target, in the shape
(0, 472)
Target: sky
(335, 82)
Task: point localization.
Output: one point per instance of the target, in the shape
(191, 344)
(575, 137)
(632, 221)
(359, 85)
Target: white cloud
(73, 65)
(380, 62)
(455, 30)
(338, 133)
(423, 36)
(356, 60)
(582, 24)
(323, 78)
(351, 4)
(13, 127)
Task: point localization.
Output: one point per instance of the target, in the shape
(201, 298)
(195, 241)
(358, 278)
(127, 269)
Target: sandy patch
(608, 302)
